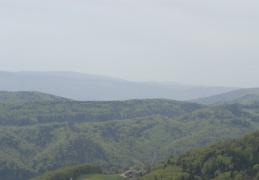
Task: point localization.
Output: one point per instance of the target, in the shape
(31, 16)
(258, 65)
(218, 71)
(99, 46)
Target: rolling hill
(236, 96)
(82, 87)
(39, 112)
(40, 136)
(27, 96)
(235, 159)
(70, 172)
(246, 99)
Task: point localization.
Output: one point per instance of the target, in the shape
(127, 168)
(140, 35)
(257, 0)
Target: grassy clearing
(255, 125)
(252, 111)
(100, 177)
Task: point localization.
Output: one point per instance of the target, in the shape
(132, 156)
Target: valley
(125, 89)
(44, 135)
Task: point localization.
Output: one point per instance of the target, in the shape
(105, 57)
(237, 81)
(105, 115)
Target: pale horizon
(188, 42)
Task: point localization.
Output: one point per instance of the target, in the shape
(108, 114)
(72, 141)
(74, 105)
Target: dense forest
(38, 112)
(39, 136)
(237, 159)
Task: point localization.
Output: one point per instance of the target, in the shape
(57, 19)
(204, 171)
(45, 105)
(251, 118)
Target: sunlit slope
(235, 159)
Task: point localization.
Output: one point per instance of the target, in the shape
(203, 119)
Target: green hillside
(116, 134)
(236, 96)
(27, 96)
(70, 172)
(247, 99)
(38, 112)
(236, 159)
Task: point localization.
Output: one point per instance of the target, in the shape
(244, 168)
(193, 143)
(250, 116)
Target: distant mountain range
(241, 96)
(80, 86)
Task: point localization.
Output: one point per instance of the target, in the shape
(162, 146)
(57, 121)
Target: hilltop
(27, 96)
(247, 96)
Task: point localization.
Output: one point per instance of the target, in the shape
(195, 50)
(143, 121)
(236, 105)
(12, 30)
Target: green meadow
(100, 177)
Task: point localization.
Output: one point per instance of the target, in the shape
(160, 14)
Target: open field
(255, 125)
(100, 177)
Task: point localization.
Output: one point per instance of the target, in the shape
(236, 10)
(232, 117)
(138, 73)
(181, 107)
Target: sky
(199, 42)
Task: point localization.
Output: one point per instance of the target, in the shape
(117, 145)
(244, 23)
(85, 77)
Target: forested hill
(27, 96)
(37, 112)
(40, 136)
(236, 96)
(29, 150)
(247, 99)
(236, 159)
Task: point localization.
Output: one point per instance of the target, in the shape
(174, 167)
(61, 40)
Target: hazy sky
(203, 42)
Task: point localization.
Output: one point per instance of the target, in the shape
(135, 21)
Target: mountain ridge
(79, 86)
